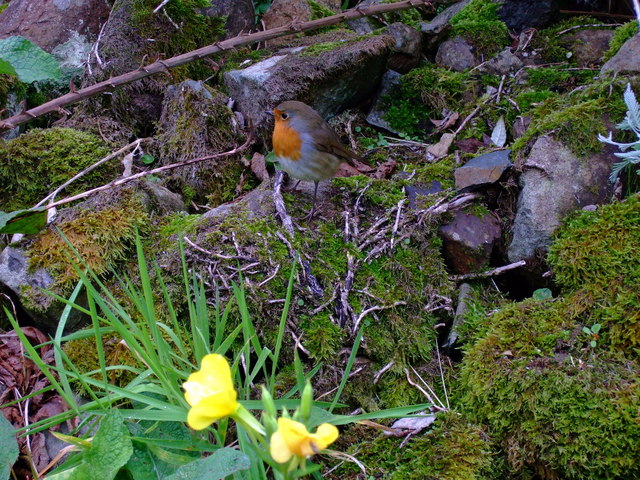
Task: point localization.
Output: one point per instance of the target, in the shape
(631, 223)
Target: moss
(554, 47)
(411, 16)
(196, 30)
(478, 22)
(102, 235)
(620, 37)
(454, 449)
(3, 7)
(422, 95)
(577, 118)
(37, 162)
(319, 11)
(379, 192)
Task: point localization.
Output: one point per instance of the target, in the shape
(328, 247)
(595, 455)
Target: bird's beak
(269, 112)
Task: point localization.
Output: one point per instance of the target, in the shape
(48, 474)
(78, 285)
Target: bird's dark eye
(285, 116)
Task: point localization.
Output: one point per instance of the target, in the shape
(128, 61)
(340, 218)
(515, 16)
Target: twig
(375, 308)
(164, 2)
(432, 399)
(281, 209)
(126, 148)
(589, 25)
(472, 114)
(161, 66)
(488, 273)
(122, 181)
(376, 377)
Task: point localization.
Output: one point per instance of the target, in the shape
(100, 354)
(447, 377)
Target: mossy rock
(479, 24)
(196, 122)
(35, 163)
(454, 449)
(620, 36)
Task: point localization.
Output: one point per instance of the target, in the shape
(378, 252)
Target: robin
(305, 146)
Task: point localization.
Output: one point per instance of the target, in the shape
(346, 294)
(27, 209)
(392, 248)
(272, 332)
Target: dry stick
(281, 209)
(161, 66)
(590, 25)
(488, 273)
(122, 181)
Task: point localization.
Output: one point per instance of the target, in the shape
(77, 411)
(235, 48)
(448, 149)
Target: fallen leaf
(469, 145)
(386, 169)
(259, 167)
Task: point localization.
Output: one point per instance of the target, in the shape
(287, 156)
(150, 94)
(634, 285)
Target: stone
(196, 122)
(482, 170)
(256, 203)
(627, 60)
(588, 46)
(364, 25)
(437, 29)
(468, 241)
(161, 199)
(456, 54)
(241, 15)
(554, 182)
(388, 84)
(416, 191)
(522, 14)
(502, 64)
(52, 23)
(285, 12)
(329, 82)
(408, 48)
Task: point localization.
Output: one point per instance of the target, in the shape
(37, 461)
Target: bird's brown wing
(328, 141)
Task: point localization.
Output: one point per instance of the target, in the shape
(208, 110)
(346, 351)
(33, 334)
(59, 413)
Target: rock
(435, 30)
(408, 48)
(53, 23)
(285, 12)
(554, 182)
(256, 204)
(390, 81)
(14, 272)
(627, 60)
(240, 14)
(522, 14)
(588, 46)
(195, 122)
(482, 170)
(456, 54)
(364, 25)
(418, 190)
(329, 81)
(468, 241)
(465, 293)
(502, 64)
(161, 199)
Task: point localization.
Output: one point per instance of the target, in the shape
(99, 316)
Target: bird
(305, 145)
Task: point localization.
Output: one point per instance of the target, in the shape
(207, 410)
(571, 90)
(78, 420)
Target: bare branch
(488, 273)
(161, 66)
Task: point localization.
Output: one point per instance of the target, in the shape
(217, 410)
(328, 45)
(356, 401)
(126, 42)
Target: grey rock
(256, 203)
(482, 170)
(329, 82)
(502, 64)
(588, 46)
(468, 241)
(522, 14)
(390, 81)
(435, 30)
(161, 199)
(364, 25)
(14, 271)
(456, 54)
(420, 191)
(408, 48)
(240, 15)
(52, 23)
(554, 182)
(627, 60)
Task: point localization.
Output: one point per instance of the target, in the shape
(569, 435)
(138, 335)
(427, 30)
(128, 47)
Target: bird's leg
(313, 203)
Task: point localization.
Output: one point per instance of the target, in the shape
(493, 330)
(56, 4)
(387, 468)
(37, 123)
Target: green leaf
(221, 464)
(542, 294)
(586, 330)
(147, 159)
(28, 222)
(110, 449)
(6, 68)
(30, 62)
(595, 328)
(8, 447)
(593, 343)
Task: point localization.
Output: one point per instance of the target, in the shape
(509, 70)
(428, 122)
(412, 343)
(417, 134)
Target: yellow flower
(292, 438)
(210, 392)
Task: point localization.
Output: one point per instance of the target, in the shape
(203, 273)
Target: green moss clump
(422, 94)
(556, 410)
(37, 162)
(454, 449)
(410, 17)
(196, 30)
(101, 235)
(319, 11)
(554, 47)
(478, 22)
(620, 37)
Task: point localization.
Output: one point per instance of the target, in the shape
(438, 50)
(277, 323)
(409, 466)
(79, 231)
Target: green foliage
(411, 16)
(20, 57)
(40, 160)
(620, 37)
(8, 447)
(223, 462)
(28, 222)
(553, 47)
(454, 449)
(421, 95)
(478, 22)
(318, 10)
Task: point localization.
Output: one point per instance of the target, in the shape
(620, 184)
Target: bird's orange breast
(286, 141)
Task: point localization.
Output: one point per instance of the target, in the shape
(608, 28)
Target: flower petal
(279, 450)
(326, 435)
